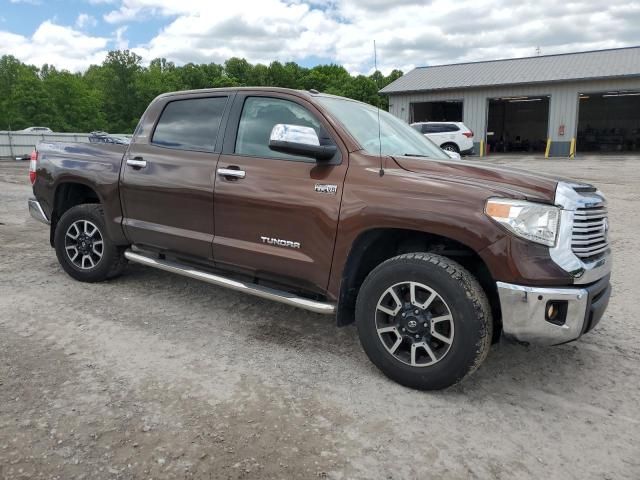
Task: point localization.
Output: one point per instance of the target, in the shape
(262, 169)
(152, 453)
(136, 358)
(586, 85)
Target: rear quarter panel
(95, 165)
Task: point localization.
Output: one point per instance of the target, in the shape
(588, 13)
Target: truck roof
(304, 93)
(300, 93)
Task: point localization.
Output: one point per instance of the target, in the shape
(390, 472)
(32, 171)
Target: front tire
(83, 247)
(424, 320)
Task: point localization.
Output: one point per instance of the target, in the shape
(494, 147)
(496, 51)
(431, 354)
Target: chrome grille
(590, 232)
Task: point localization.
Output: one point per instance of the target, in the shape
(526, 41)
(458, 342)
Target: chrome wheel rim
(449, 148)
(83, 244)
(414, 324)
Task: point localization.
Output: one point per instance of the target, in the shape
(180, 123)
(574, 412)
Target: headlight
(532, 221)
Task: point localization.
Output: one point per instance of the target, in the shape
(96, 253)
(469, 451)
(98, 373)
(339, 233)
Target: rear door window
(190, 124)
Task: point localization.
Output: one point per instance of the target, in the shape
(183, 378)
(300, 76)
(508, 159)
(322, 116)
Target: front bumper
(36, 211)
(524, 311)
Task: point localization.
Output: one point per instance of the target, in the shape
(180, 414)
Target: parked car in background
(35, 130)
(450, 136)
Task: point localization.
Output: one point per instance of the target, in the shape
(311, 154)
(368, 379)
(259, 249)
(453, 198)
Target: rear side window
(190, 124)
(440, 128)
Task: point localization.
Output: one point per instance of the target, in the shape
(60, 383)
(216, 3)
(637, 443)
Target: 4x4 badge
(326, 188)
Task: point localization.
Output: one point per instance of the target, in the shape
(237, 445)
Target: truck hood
(502, 180)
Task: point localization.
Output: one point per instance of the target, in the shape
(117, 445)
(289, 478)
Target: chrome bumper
(36, 211)
(524, 311)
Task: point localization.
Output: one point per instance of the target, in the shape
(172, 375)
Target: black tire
(451, 147)
(459, 292)
(112, 261)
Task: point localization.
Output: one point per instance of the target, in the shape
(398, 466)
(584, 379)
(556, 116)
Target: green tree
(239, 70)
(75, 107)
(113, 95)
(121, 103)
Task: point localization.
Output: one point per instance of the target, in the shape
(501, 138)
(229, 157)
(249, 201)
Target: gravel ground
(157, 376)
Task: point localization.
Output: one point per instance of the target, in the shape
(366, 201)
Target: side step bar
(250, 288)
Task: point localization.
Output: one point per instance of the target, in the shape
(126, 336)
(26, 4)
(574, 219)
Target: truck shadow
(510, 369)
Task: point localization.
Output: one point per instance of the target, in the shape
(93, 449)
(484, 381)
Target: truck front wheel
(83, 248)
(424, 320)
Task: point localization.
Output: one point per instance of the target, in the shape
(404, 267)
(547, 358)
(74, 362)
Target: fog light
(556, 311)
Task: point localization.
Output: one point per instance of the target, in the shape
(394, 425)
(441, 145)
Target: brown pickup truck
(330, 205)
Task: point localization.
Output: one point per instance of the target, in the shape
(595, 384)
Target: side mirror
(299, 140)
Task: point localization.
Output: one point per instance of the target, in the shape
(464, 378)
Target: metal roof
(620, 62)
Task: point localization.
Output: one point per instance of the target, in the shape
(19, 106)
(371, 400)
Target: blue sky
(74, 34)
(24, 17)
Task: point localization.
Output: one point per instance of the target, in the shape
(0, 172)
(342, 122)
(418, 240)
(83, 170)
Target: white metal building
(553, 104)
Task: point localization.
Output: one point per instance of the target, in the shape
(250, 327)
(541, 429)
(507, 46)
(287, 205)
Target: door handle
(136, 162)
(231, 172)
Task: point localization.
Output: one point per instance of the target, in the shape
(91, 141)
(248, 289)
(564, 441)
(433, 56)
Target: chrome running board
(250, 288)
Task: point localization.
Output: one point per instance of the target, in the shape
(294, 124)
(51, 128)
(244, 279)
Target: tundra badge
(279, 242)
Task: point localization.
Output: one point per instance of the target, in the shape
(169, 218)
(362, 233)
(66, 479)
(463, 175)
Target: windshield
(396, 137)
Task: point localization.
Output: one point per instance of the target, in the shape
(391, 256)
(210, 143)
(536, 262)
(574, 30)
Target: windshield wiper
(414, 155)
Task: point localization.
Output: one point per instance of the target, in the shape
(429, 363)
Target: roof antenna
(375, 66)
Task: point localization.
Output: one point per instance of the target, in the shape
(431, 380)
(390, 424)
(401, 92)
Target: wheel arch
(68, 194)
(374, 246)
(449, 142)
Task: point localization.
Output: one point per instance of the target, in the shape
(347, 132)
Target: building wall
(563, 106)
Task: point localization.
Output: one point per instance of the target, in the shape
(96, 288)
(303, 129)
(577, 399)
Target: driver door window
(259, 116)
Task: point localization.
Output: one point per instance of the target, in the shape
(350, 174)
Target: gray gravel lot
(157, 376)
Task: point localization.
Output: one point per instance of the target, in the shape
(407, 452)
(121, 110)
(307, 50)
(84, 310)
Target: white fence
(15, 144)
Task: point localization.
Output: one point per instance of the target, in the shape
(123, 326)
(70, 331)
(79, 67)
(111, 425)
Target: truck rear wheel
(83, 247)
(424, 320)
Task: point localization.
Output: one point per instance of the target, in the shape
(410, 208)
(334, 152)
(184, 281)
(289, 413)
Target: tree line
(112, 96)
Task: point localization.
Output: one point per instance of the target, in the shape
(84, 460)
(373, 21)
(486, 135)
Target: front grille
(590, 232)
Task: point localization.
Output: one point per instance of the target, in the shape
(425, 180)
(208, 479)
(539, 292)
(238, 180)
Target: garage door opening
(448, 111)
(609, 122)
(518, 124)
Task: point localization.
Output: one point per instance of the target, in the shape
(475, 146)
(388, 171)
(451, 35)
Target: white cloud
(123, 14)
(56, 45)
(85, 20)
(407, 32)
(121, 43)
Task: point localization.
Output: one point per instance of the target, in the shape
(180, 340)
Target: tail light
(468, 134)
(33, 165)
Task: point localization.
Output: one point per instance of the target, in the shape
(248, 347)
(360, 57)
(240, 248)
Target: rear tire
(450, 147)
(83, 247)
(424, 320)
